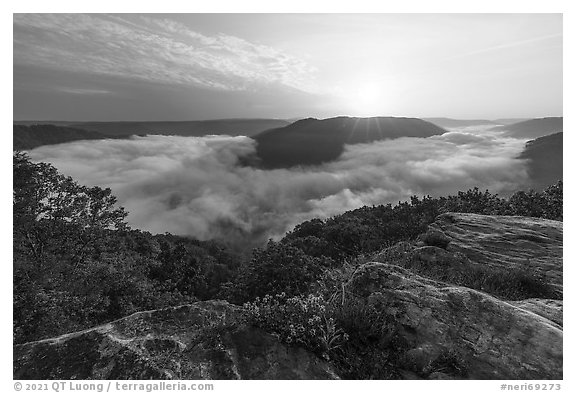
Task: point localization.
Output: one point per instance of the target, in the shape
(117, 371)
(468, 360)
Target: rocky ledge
(534, 244)
(204, 340)
(471, 334)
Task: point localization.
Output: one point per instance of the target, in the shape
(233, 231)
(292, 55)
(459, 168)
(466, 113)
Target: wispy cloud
(157, 50)
(509, 45)
(90, 92)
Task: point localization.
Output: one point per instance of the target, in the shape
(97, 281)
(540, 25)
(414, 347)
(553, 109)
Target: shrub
(278, 268)
(353, 334)
(435, 238)
(449, 362)
(372, 228)
(301, 320)
(374, 345)
(546, 204)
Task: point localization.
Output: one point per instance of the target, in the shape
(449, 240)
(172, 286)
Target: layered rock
(204, 340)
(534, 244)
(551, 309)
(477, 335)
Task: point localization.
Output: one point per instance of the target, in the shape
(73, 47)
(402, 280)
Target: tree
(78, 264)
(51, 210)
(275, 269)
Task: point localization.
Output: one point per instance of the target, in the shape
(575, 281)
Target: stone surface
(204, 340)
(548, 308)
(476, 334)
(506, 241)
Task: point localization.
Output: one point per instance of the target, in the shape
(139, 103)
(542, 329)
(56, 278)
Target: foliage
(77, 264)
(449, 362)
(276, 269)
(374, 346)
(435, 239)
(301, 320)
(546, 204)
(369, 229)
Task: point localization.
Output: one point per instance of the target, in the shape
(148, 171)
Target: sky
(207, 66)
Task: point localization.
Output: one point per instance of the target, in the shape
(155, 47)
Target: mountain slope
(509, 121)
(313, 141)
(29, 137)
(534, 128)
(545, 160)
(447, 122)
(233, 127)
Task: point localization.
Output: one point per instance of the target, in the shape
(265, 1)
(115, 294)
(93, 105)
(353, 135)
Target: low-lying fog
(193, 186)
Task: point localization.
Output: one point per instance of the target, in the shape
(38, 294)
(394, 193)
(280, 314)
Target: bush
(278, 268)
(370, 229)
(435, 239)
(351, 333)
(302, 320)
(374, 346)
(449, 362)
(546, 204)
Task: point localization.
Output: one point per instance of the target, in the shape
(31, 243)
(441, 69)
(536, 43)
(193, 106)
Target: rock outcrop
(551, 309)
(433, 293)
(204, 340)
(534, 244)
(476, 335)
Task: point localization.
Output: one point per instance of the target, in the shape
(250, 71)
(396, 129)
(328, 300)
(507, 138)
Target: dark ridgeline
(508, 121)
(312, 141)
(29, 137)
(544, 157)
(232, 127)
(447, 122)
(533, 128)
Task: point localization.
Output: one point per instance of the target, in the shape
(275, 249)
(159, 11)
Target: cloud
(509, 45)
(157, 50)
(80, 91)
(194, 186)
(463, 138)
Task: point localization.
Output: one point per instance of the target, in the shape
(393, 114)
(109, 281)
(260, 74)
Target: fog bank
(194, 186)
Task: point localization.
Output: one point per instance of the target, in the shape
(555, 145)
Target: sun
(367, 99)
(368, 93)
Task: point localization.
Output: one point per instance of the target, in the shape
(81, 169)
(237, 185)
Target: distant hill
(545, 160)
(534, 128)
(313, 141)
(233, 127)
(29, 137)
(293, 119)
(508, 121)
(446, 122)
